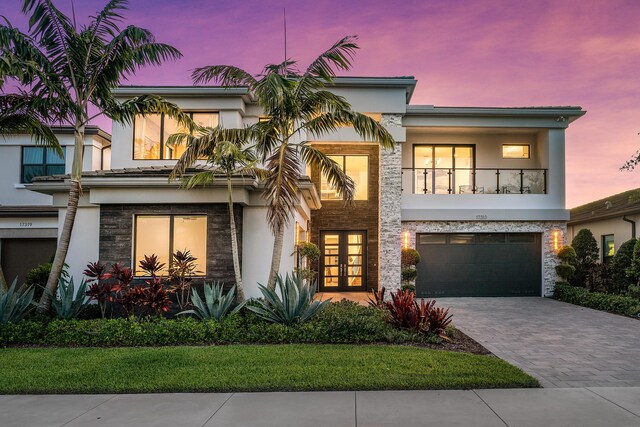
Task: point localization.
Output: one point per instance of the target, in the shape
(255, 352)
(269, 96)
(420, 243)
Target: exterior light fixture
(405, 241)
(556, 240)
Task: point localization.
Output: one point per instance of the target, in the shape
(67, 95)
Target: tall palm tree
(69, 73)
(298, 106)
(227, 157)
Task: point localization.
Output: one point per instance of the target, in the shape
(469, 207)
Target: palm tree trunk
(234, 246)
(69, 219)
(276, 257)
(63, 247)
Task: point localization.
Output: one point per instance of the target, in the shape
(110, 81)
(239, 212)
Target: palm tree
(297, 105)
(69, 73)
(229, 157)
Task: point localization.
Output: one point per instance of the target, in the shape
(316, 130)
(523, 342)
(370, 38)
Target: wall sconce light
(405, 240)
(556, 240)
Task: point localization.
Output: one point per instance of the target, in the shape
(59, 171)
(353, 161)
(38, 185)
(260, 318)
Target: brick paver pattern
(561, 344)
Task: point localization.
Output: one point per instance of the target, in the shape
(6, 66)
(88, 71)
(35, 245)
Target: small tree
(634, 270)
(620, 267)
(586, 249)
(566, 269)
(408, 261)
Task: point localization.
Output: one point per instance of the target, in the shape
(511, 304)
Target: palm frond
(368, 128)
(281, 186)
(336, 177)
(225, 75)
(338, 56)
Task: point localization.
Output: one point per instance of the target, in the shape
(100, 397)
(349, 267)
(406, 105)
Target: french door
(343, 261)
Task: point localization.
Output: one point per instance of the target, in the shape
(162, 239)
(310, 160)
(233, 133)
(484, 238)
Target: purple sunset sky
(463, 53)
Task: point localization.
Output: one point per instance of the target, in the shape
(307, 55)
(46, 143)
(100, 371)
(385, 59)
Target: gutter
(633, 225)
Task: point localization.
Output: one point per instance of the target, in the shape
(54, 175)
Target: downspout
(633, 226)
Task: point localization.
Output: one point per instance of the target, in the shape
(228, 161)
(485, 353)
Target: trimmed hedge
(600, 301)
(341, 322)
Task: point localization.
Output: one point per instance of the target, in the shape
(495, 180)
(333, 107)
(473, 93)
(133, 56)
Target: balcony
(473, 181)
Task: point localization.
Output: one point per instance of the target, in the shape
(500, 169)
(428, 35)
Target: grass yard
(289, 367)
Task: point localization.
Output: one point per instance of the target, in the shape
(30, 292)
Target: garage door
(485, 264)
(19, 256)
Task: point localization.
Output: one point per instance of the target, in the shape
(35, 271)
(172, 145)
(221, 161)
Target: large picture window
(356, 167)
(151, 132)
(163, 235)
(40, 161)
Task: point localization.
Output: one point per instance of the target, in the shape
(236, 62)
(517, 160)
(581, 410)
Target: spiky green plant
(15, 302)
(70, 304)
(216, 304)
(66, 75)
(294, 305)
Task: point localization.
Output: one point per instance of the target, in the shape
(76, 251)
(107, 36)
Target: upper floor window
(40, 161)
(608, 248)
(152, 131)
(357, 168)
(516, 151)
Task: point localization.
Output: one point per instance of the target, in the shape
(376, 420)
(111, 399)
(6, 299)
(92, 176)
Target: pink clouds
(489, 53)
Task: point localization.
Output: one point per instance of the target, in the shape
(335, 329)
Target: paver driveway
(561, 344)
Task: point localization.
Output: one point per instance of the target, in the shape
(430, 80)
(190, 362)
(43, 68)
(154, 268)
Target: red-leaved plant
(155, 297)
(151, 265)
(183, 268)
(406, 313)
(103, 292)
(96, 271)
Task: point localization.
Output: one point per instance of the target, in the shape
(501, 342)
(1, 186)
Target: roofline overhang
(600, 217)
(569, 113)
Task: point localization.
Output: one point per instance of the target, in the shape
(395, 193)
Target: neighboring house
(29, 222)
(480, 192)
(612, 221)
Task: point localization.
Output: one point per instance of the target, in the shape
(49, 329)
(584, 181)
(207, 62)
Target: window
(432, 239)
(515, 151)
(356, 167)
(150, 134)
(608, 248)
(434, 163)
(40, 161)
(163, 235)
(461, 239)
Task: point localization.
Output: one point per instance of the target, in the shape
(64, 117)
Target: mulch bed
(462, 343)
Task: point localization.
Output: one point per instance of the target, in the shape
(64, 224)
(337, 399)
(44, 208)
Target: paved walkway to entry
(562, 344)
(597, 407)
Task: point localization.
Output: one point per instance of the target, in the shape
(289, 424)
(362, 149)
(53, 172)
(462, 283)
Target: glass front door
(343, 261)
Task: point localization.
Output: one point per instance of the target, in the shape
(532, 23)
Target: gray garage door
(483, 264)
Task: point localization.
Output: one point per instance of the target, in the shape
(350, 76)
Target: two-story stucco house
(479, 192)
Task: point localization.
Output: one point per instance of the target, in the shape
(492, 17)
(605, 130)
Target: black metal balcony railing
(474, 181)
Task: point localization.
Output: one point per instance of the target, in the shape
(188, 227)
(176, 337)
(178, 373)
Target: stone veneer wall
(116, 234)
(547, 228)
(390, 210)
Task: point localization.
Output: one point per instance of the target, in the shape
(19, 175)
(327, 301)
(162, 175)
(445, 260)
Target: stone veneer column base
(547, 228)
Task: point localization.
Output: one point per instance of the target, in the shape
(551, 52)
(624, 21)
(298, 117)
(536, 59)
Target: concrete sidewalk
(611, 407)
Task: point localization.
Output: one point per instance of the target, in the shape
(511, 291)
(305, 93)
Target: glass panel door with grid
(343, 261)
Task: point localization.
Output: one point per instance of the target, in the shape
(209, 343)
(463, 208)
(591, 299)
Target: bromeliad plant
(15, 302)
(294, 305)
(216, 305)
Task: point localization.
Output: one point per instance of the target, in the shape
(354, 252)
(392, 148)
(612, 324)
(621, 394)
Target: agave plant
(70, 304)
(297, 304)
(216, 305)
(15, 302)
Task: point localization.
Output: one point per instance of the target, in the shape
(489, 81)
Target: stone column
(390, 225)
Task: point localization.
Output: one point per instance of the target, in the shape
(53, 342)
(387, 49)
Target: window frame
(516, 145)
(603, 239)
(344, 164)
(44, 163)
(162, 115)
(172, 217)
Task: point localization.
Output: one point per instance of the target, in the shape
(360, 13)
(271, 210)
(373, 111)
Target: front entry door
(343, 261)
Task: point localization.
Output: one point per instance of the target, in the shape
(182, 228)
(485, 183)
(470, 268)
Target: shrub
(15, 302)
(565, 271)
(567, 255)
(409, 257)
(408, 287)
(297, 304)
(103, 293)
(599, 278)
(409, 274)
(422, 318)
(634, 270)
(620, 266)
(309, 251)
(155, 297)
(68, 304)
(182, 271)
(600, 301)
(586, 249)
(216, 305)
(633, 291)
(38, 276)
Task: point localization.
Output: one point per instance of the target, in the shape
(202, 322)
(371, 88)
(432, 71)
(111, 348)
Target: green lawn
(250, 368)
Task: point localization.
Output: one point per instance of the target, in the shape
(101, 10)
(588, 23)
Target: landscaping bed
(236, 368)
(619, 304)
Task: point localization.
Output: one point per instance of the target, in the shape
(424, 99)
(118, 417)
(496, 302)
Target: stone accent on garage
(547, 228)
(116, 234)
(390, 210)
